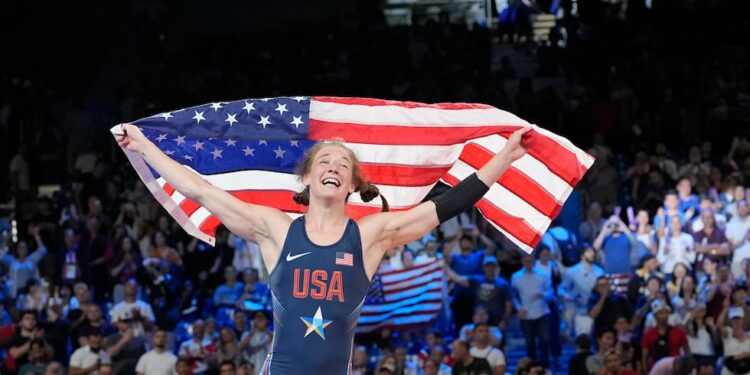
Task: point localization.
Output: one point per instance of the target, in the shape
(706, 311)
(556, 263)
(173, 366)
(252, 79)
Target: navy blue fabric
(319, 284)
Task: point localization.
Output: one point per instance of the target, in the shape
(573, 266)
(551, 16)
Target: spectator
(577, 364)
(255, 293)
(23, 266)
(93, 319)
(577, 284)
(137, 313)
(128, 264)
(490, 289)
(675, 247)
(648, 268)
(688, 202)
(125, 348)
(483, 349)
(360, 361)
(663, 340)
(256, 344)
(669, 210)
(613, 365)
(710, 240)
(617, 247)
(605, 306)
(701, 330)
(37, 358)
(158, 361)
(227, 294)
(198, 349)
(468, 262)
(738, 234)
(686, 299)
(481, 316)
(605, 341)
(227, 367)
(227, 349)
(54, 368)
(594, 223)
(467, 364)
(89, 358)
(25, 331)
(71, 272)
(532, 289)
(182, 367)
(708, 204)
(239, 322)
(644, 233)
(736, 341)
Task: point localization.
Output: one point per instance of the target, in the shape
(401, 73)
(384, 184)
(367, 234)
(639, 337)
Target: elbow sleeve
(460, 197)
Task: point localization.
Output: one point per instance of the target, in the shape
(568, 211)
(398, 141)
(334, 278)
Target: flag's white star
(188, 157)
(279, 152)
(216, 106)
(249, 107)
(216, 153)
(166, 115)
(297, 121)
(230, 142)
(281, 109)
(180, 139)
(262, 142)
(249, 151)
(169, 152)
(198, 145)
(231, 119)
(299, 98)
(161, 137)
(264, 121)
(199, 117)
(294, 143)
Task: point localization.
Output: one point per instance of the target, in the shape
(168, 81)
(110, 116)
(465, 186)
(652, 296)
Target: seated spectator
(227, 295)
(593, 225)
(227, 348)
(663, 340)
(649, 267)
(25, 331)
(255, 295)
(738, 299)
(158, 361)
(686, 299)
(38, 359)
(88, 359)
(679, 272)
(93, 319)
(467, 364)
(481, 348)
(198, 350)
(55, 368)
(605, 306)
(182, 367)
(137, 313)
(360, 361)
(387, 365)
(605, 341)
(227, 367)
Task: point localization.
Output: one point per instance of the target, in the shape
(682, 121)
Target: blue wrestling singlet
(318, 293)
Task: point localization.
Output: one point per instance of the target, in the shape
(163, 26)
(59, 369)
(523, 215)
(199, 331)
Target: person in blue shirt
(577, 283)
(532, 290)
(490, 290)
(321, 263)
(618, 247)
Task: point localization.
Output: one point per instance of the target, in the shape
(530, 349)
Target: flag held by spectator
(250, 148)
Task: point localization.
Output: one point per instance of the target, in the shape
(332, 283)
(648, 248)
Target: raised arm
(255, 223)
(384, 231)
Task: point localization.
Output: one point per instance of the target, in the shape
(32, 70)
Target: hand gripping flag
(250, 149)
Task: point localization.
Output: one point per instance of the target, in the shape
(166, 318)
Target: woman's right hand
(131, 138)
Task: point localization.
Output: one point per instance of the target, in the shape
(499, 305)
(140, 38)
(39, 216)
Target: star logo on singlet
(316, 324)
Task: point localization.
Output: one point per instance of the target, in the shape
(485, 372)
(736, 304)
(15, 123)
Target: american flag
(408, 297)
(344, 259)
(250, 148)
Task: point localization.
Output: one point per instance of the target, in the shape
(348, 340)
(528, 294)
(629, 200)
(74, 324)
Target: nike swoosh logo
(290, 257)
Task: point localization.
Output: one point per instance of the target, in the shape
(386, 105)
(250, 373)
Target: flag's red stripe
(515, 181)
(380, 102)
(402, 175)
(511, 224)
(557, 158)
(402, 313)
(168, 188)
(189, 206)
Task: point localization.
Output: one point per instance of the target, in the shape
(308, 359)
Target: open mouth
(331, 181)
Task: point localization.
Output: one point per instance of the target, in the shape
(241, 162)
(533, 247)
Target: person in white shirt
(137, 313)
(158, 361)
(738, 235)
(87, 360)
(675, 247)
(483, 349)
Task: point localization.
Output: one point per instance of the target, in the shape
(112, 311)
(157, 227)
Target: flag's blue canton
(262, 134)
(375, 295)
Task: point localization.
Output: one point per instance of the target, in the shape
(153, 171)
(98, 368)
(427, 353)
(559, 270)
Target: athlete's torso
(318, 292)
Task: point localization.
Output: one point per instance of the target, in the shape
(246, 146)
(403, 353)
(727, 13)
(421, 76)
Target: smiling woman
(321, 263)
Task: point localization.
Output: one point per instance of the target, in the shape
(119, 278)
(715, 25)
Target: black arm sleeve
(460, 197)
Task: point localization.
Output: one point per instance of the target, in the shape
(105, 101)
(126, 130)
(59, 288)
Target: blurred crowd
(645, 268)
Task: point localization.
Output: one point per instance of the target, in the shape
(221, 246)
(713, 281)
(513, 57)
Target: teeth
(331, 181)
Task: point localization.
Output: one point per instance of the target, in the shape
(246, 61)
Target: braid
(303, 197)
(370, 192)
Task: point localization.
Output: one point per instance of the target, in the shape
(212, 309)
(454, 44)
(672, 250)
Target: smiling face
(331, 173)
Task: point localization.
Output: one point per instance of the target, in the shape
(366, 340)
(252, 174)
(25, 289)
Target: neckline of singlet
(304, 233)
